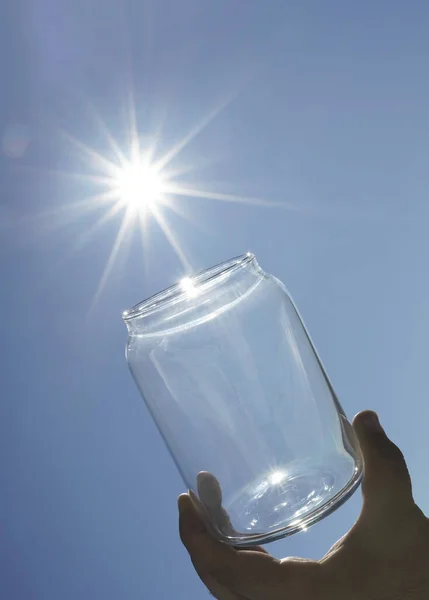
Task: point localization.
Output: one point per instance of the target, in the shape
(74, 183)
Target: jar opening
(188, 287)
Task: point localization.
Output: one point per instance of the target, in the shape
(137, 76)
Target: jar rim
(187, 286)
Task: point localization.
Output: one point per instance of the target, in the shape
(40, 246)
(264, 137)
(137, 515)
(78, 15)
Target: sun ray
(168, 202)
(133, 129)
(125, 226)
(62, 215)
(90, 233)
(171, 238)
(97, 159)
(83, 177)
(144, 237)
(189, 137)
(114, 146)
(186, 169)
(177, 190)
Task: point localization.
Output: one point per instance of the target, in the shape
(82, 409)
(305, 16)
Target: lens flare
(139, 187)
(189, 287)
(140, 183)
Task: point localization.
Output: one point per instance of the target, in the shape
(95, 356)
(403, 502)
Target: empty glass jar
(234, 384)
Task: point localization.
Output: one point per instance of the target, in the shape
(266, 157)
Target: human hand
(385, 556)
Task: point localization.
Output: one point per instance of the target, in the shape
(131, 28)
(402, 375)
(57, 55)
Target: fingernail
(372, 423)
(189, 515)
(181, 502)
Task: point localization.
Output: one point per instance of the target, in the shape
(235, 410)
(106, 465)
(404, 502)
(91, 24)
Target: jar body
(235, 386)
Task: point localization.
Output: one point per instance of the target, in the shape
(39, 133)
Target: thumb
(386, 485)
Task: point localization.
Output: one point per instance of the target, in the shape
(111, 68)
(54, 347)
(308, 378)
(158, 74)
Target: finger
(254, 575)
(209, 490)
(210, 494)
(251, 574)
(386, 485)
(215, 588)
(193, 525)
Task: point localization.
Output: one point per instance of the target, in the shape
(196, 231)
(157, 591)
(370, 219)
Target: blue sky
(330, 118)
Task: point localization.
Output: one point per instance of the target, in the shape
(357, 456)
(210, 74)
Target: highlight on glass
(244, 405)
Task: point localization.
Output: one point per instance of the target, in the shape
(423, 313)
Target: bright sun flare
(139, 187)
(142, 186)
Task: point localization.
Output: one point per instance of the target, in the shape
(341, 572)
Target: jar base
(286, 501)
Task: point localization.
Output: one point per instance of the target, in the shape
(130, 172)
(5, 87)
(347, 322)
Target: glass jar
(236, 389)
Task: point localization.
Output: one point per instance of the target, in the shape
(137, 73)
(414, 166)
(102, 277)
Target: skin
(385, 556)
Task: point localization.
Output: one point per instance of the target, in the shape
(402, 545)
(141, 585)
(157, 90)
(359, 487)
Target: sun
(139, 187)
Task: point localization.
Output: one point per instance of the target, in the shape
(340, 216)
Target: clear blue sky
(332, 118)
